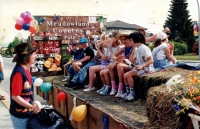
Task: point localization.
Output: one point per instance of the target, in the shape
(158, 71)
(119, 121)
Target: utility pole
(198, 28)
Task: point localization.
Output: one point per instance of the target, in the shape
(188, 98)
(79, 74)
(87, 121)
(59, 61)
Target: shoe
(78, 86)
(130, 97)
(67, 78)
(102, 88)
(106, 91)
(124, 95)
(89, 89)
(86, 86)
(119, 93)
(69, 84)
(113, 92)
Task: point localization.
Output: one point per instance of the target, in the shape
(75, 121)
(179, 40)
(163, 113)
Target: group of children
(123, 54)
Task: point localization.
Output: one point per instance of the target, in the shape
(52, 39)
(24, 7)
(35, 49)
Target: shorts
(1, 76)
(143, 71)
(19, 123)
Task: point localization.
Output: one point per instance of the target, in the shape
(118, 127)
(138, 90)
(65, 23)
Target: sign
(69, 27)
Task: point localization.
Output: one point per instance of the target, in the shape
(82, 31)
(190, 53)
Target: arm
(1, 69)
(149, 61)
(151, 38)
(116, 56)
(105, 57)
(167, 53)
(86, 58)
(133, 55)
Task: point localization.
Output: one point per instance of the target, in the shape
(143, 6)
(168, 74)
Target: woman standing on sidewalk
(21, 88)
(1, 75)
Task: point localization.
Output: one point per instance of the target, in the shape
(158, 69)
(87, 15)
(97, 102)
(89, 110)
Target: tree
(180, 24)
(13, 44)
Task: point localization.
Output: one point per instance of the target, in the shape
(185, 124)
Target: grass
(187, 57)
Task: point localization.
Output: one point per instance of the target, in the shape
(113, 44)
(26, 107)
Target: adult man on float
(79, 78)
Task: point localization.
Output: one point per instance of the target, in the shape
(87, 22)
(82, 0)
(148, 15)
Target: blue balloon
(33, 79)
(45, 87)
(25, 26)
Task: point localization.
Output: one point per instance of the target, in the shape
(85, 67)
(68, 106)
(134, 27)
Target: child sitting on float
(143, 64)
(126, 52)
(161, 52)
(104, 54)
(113, 47)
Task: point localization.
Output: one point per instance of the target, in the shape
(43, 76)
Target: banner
(195, 28)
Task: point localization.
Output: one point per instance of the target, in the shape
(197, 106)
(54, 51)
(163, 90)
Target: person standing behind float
(1, 75)
(161, 53)
(21, 88)
(143, 62)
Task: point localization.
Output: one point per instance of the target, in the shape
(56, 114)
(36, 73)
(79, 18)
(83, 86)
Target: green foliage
(180, 24)
(180, 48)
(12, 45)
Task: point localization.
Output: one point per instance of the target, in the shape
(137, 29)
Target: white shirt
(161, 54)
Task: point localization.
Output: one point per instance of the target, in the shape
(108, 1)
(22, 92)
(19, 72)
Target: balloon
(33, 79)
(29, 13)
(32, 29)
(27, 18)
(18, 27)
(14, 18)
(22, 14)
(38, 82)
(79, 113)
(20, 21)
(45, 87)
(25, 26)
(61, 96)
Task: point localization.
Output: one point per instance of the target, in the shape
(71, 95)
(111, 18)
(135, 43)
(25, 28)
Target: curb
(6, 104)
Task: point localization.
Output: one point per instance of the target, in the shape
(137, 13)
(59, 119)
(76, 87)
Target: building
(120, 25)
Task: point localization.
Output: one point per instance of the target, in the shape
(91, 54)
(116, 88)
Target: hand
(98, 52)
(36, 110)
(120, 58)
(139, 67)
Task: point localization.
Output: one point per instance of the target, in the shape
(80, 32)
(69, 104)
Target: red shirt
(17, 82)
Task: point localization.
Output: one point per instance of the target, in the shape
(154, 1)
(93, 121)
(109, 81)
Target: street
(5, 85)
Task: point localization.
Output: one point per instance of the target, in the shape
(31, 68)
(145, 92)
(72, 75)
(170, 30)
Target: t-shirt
(112, 50)
(17, 79)
(106, 52)
(78, 54)
(89, 52)
(160, 53)
(142, 53)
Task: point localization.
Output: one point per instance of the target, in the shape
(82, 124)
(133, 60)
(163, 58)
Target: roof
(120, 24)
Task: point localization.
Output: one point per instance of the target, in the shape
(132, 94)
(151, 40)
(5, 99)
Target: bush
(180, 48)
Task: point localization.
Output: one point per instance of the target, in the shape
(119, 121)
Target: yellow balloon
(79, 113)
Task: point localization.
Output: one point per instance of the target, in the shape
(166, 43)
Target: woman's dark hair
(157, 42)
(141, 29)
(137, 37)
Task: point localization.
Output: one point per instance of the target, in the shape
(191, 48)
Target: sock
(114, 86)
(121, 87)
(132, 90)
(127, 88)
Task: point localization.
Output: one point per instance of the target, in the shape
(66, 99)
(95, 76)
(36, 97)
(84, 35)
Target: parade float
(154, 107)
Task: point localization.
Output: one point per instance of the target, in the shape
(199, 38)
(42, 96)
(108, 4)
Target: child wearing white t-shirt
(143, 64)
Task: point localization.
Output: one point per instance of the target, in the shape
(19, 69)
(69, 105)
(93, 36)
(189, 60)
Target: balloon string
(74, 101)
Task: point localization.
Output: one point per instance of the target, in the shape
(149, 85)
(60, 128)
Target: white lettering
(49, 23)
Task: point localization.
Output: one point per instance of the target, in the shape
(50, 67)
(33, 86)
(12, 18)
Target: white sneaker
(86, 86)
(89, 89)
(119, 94)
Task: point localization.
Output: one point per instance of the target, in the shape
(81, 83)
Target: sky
(150, 14)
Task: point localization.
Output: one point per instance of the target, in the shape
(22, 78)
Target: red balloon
(18, 27)
(61, 96)
(32, 29)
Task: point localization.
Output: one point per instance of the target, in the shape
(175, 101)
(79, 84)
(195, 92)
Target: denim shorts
(19, 123)
(1, 76)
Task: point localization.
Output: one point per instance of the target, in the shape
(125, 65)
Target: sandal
(2, 97)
